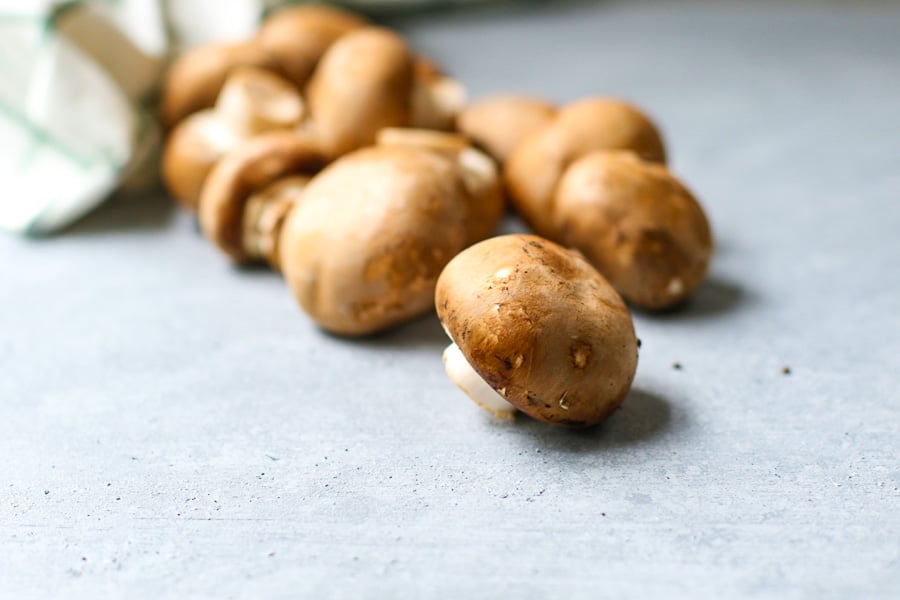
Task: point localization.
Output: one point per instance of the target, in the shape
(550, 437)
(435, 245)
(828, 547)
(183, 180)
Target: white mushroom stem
(476, 388)
(254, 101)
(436, 102)
(264, 215)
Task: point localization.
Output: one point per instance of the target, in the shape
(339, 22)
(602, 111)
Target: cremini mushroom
(639, 225)
(367, 80)
(537, 163)
(480, 177)
(298, 36)
(535, 328)
(249, 192)
(252, 101)
(196, 78)
(363, 249)
(498, 123)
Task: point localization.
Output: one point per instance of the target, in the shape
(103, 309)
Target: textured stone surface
(171, 426)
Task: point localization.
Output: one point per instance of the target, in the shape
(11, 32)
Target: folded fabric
(77, 80)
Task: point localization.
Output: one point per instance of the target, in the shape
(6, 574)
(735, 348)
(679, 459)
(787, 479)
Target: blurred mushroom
(535, 328)
(367, 81)
(297, 36)
(195, 79)
(479, 174)
(363, 250)
(252, 101)
(249, 192)
(534, 168)
(498, 123)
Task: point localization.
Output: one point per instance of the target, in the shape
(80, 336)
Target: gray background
(171, 426)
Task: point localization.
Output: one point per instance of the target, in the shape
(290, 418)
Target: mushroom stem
(476, 388)
(436, 100)
(264, 215)
(254, 101)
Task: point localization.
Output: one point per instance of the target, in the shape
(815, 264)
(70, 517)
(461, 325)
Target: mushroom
(195, 79)
(436, 98)
(252, 101)
(364, 248)
(535, 328)
(297, 37)
(250, 191)
(498, 123)
(367, 80)
(637, 224)
(481, 180)
(534, 168)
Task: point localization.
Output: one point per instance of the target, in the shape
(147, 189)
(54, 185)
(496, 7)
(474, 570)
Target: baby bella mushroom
(252, 101)
(297, 36)
(498, 123)
(196, 78)
(366, 81)
(249, 192)
(536, 165)
(535, 328)
(364, 248)
(637, 224)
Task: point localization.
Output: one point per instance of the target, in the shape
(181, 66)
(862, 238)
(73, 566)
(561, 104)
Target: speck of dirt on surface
(785, 370)
(677, 366)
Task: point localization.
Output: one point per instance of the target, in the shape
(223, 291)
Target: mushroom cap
(251, 101)
(250, 168)
(637, 224)
(195, 79)
(541, 326)
(298, 36)
(255, 100)
(364, 248)
(480, 178)
(362, 84)
(191, 150)
(535, 166)
(498, 123)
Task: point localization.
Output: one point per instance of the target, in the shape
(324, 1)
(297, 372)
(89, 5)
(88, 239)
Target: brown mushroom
(249, 192)
(534, 168)
(637, 224)
(252, 101)
(297, 36)
(366, 81)
(498, 123)
(363, 250)
(479, 174)
(195, 79)
(535, 328)
(436, 98)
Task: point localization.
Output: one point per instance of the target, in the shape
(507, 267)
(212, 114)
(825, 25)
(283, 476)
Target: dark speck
(785, 370)
(46, 492)
(677, 366)
(639, 342)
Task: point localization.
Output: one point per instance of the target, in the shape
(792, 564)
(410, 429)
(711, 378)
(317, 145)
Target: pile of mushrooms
(327, 148)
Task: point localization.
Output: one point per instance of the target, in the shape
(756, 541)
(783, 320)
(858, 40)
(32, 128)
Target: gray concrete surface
(173, 427)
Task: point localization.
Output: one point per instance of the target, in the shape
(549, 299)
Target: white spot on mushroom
(675, 287)
(563, 403)
(503, 273)
(476, 388)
